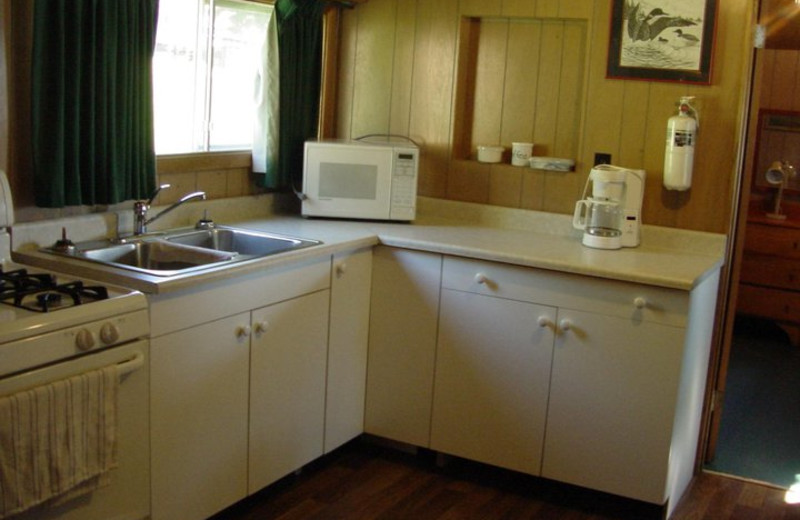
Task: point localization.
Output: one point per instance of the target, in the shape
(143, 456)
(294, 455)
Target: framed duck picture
(662, 40)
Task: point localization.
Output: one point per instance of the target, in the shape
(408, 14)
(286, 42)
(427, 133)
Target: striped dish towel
(57, 441)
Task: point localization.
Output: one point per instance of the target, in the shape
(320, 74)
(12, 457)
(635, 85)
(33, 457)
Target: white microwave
(360, 180)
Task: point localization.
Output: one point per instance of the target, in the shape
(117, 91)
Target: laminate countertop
(667, 257)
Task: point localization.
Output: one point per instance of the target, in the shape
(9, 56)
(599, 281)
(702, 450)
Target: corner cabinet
(402, 344)
(588, 381)
(351, 279)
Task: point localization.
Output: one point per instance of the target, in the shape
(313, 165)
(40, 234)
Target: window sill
(205, 161)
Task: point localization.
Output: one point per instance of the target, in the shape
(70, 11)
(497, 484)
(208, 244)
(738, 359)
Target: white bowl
(490, 153)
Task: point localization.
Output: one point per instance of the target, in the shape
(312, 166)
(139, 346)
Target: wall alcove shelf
(519, 79)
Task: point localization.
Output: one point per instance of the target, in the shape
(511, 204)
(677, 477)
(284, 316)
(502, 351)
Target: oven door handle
(130, 365)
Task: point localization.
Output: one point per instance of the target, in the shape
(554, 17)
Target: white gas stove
(69, 316)
(46, 317)
(56, 328)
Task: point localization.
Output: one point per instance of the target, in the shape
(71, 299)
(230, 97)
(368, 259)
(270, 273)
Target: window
(204, 72)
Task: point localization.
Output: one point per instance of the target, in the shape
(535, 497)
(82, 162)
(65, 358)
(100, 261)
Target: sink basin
(184, 250)
(155, 257)
(240, 241)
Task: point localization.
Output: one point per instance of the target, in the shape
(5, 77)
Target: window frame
(224, 159)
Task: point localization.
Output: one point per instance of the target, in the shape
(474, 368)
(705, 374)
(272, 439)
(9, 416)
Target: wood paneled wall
(3, 90)
(777, 88)
(780, 79)
(400, 74)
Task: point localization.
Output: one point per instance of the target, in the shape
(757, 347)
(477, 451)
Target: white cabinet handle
(639, 302)
(544, 321)
(243, 331)
(261, 327)
(481, 279)
(565, 324)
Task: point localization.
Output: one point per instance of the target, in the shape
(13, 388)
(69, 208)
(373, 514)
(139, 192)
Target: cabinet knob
(544, 321)
(565, 324)
(261, 327)
(340, 269)
(481, 278)
(243, 331)
(639, 302)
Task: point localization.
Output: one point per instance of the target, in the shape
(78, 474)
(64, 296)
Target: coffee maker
(611, 217)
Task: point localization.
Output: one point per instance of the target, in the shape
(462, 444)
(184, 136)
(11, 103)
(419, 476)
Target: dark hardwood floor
(364, 480)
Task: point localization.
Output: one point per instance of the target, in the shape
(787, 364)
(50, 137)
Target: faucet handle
(205, 222)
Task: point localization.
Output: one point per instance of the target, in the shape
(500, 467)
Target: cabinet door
(287, 386)
(492, 377)
(347, 347)
(402, 344)
(199, 419)
(613, 394)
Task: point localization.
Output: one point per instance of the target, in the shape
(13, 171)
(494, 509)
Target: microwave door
(343, 185)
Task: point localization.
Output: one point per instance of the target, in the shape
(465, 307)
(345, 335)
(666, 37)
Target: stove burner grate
(41, 292)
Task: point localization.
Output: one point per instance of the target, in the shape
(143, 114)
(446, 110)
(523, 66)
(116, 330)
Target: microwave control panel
(404, 184)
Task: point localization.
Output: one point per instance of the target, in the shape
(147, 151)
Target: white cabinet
(201, 386)
(625, 395)
(402, 344)
(351, 279)
(287, 386)
(198, 407)
(492, 377)
(613, 400)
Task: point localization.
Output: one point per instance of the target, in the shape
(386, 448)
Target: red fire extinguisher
(679, 154)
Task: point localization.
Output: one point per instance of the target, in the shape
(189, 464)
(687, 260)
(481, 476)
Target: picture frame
(662, 40)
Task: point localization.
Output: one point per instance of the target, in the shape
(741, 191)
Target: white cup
(521, 153)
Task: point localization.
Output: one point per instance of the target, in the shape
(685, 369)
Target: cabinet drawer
(623, 299)
(768, 303)
(771, 271)
(182, 309)
(772, 240)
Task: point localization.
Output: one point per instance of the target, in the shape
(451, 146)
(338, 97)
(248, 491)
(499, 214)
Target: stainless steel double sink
(183, 250)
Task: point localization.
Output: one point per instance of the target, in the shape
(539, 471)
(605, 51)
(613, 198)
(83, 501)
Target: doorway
(759, 435)
(759, 430)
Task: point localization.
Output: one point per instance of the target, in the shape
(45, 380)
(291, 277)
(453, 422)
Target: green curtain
(92, 101)
(300, 52)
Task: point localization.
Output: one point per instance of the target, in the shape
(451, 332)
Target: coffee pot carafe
(610, 217)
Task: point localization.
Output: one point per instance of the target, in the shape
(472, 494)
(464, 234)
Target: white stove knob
(109, 333)
(84, 339)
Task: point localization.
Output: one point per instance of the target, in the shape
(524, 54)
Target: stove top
(43, 292)
(35, 301)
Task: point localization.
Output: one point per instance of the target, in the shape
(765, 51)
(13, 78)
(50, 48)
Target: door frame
(729, 288)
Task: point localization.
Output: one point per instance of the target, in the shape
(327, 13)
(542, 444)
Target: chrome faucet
(140, 208)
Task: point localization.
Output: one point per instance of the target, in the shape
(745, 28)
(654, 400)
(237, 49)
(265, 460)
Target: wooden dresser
(769, 283)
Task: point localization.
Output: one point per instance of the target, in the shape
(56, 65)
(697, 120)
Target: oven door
(128, 495)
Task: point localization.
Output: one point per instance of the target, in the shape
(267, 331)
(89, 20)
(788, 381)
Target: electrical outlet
(602, 158)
